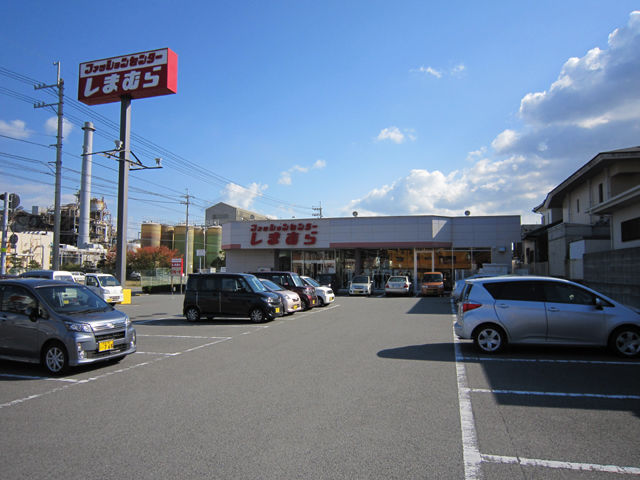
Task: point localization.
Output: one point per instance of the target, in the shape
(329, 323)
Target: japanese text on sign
(140, 75)
(289, 233)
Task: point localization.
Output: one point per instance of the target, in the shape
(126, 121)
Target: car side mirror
(599, 305)
(32, 313)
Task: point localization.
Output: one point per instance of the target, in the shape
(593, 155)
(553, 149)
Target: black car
(292, 281)
(329, 280)
(229, 294)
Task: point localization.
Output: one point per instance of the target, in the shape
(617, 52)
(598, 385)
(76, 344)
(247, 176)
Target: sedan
(498, 311)
(398, 286)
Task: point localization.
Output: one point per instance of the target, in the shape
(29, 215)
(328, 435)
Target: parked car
(292, 281)
(49, 274)
(330, 280)
(498, 311)
(135, 275)
(60, 325)
(360, 285)
(229, 294)
(78, 277)
(325, 294)
(459, 285)
(106, 286)
(398, 286)
(290, 300)
(432, 284)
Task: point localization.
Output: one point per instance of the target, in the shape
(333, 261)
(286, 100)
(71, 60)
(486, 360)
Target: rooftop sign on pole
(139, 75)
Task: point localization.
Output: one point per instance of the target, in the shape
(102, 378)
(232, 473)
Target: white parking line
(470, 452)
(588, 467)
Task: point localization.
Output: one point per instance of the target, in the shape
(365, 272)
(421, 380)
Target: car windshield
(398, 279)
(108, 281)
(312, 282)
(297, 281)
(360, 279)
(271, 286)
(255, 284)
(71, 299)
(432, 277)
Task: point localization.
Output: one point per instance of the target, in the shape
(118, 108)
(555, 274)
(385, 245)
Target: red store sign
(289, 233)
(139, 75)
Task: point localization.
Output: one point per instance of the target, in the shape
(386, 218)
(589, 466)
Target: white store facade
(402, 245)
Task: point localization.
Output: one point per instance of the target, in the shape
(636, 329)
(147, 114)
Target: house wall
(615, 274)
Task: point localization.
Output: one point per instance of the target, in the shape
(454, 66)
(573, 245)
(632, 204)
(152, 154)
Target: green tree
(220, 261)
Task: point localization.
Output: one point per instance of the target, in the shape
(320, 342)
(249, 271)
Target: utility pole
(186, 236)
(56, 208)
(317, 209)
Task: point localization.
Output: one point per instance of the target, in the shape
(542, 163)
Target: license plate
(277, 309)
(331, 299)
(104, 346)
(295, 307)
(313, 302)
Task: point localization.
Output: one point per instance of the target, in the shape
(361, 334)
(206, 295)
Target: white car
(78, 277)
(325, 294)
(105, 286)
(360, 285)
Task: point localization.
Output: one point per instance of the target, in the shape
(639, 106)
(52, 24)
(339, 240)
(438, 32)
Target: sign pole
(123, 189)
(3, 266)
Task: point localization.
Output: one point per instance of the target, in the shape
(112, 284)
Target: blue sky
(384, 108)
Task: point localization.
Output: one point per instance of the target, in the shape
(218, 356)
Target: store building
(407, 245)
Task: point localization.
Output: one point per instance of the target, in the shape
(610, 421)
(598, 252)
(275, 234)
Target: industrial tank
(214, 244)
(198, 244)
(179, 237)
(166, 236)
(150, 235)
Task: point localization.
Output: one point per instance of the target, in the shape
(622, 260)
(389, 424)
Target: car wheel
(321, 302)
(305, 304)
(257, 315)
(490, 338)
(55, 359)
(625, 341)
(193, 314)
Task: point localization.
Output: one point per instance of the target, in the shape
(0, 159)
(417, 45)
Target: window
(515, 291)
(630, 230)
(564, 293)
(17, 299)
(600, 193)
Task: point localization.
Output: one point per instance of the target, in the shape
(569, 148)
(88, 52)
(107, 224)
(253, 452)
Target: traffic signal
(14, 200)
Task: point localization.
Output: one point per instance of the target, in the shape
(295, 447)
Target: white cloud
(243, 197)
(51, 127)
(458, 69)
(286, 178)
(392, 133)
(15, 129)
(593, 106)
(429, 70)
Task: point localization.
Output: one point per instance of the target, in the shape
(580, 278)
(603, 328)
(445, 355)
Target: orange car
(432, 284)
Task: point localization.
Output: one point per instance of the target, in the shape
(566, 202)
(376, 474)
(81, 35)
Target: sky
(381, 108)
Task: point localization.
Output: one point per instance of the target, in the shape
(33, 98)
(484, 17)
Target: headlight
(287, 297)
(79, 327)
(271, 300)
(127, 322)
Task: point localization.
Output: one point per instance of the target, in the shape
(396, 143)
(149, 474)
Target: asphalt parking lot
(365, 388)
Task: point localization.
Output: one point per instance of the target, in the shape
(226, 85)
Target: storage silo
(214, 244)
(179, 237)
(166, 236)
(150, 235)
(198, 244)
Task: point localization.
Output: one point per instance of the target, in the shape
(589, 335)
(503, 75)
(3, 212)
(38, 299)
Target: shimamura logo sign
(139, 75)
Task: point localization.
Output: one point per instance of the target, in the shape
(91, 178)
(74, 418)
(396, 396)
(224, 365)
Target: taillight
(386, 286)
(467, 306)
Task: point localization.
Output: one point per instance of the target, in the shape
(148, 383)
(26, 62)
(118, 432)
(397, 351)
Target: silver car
(360, 285)
(291, 302)
(60, 324)
(546, 311)
(398, 286)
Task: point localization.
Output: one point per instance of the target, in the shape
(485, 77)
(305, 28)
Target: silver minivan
(60, 325)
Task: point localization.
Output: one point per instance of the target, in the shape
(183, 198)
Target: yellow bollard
(127, 296)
